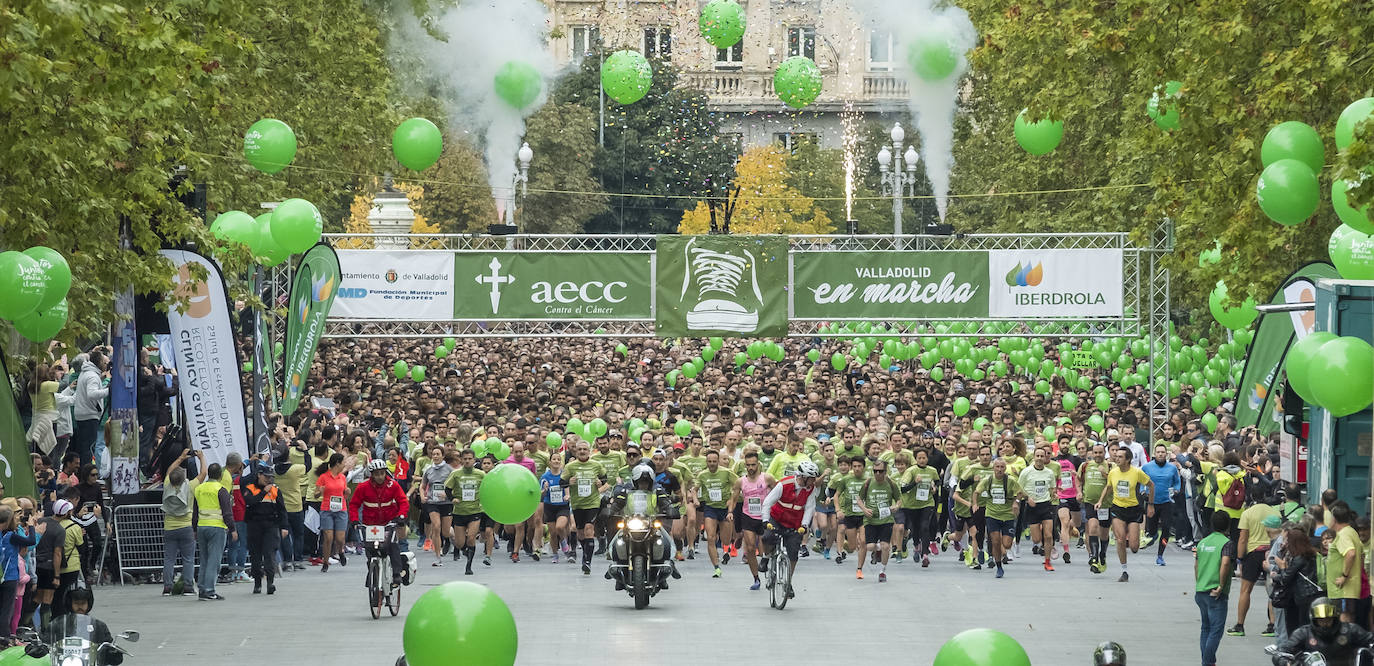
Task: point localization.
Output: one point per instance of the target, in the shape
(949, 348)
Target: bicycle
(778, 579)
(380, 590)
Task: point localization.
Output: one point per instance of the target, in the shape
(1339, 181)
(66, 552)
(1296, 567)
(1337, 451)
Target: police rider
(382, 501)
(641, 480)
(1335, 640)
(787, 511)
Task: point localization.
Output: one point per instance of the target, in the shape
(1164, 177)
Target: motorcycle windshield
(74, 638)
(637, 504)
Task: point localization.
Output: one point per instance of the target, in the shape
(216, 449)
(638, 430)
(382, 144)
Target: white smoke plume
(481, 37)
(932, 103)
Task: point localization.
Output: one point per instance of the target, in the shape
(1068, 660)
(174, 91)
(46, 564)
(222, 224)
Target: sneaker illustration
(721, 302)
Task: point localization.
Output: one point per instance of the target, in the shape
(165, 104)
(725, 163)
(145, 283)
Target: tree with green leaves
(457, 196)
(564, 194)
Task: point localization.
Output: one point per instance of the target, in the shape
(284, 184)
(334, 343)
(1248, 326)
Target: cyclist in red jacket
(381, 501)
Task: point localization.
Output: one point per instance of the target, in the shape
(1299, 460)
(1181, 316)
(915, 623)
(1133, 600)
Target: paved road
(565, 618)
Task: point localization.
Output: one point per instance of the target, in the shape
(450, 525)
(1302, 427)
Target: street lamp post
(898, 182)
(520, 181)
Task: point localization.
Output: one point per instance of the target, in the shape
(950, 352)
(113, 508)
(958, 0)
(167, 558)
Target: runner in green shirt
(824, 518)
(716, 484)
(919, 485)
(847, 510)
(876, 499)
(611, 461)
(997, 494)
(785, 464)
(462, 486)
(1041, 482)
(587, 481)
(768, 443)
(969, 478)
(1092, 479)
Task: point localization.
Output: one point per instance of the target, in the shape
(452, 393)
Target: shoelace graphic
(717, 272)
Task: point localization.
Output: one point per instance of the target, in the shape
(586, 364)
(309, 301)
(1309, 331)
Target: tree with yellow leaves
(760, 201)
(362, 206)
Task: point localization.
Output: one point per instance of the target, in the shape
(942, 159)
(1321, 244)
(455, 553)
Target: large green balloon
(982, 647)
(1162, 106)
(626, 76)
(1234, 317)
(296, 225)
(961, 406)
(269, 145)
(575, 426)
(1293, 140)
(932, 56)
(1345, 367)
(43, 325)
(509, 493)
(1361, 220)
(57, 275)
(1096, 423)
(1287, 191)
(518, 84)
(598, 427)
(1039, 137)
(1352, 252)
(682, 428)
(1070, 401)
(1300, 360)
(417, 143)
(797, 81)
(399, 369)
(1351, 116)
(235, 226)
(1209, 422)
(837, 361)
(460, 622)
(22, 283)
(266, 248)
(722, 23)
(417, 373)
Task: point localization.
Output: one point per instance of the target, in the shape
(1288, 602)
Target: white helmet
(641, 472)
(808, 469)
(374, 465)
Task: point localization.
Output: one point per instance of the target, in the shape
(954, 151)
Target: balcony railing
(755, 87)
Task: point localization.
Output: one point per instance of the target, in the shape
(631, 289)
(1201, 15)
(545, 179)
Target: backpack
(175, 502)
(1234, 498)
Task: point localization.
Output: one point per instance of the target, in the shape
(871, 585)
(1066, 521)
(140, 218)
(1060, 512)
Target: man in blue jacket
(1167, 481)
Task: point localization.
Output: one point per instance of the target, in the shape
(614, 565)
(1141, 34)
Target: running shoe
(825, 552)
(680, 556)
(427, 545)
(755, 586)
(534, 556)
(1159, 560)
(1125, 578)
(882, 578)
(586, 570)
(555, 557)
(816, 546)
(1066, 556)
(1149, 539)
(1000, 572)
(691, 553)
(716, 573)
(925, 561)
(944, 541)
(859, 574)
(1048, 566)
(801, 553)
(788, 591)
(1237, 630)
(839, 559)
(934, 550)
(1268, 631)
(725, 556)
(486, 560)
(515, 557)
(873, 559)
(343, 559)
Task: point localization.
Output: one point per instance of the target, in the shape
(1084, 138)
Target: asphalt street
(566, 618)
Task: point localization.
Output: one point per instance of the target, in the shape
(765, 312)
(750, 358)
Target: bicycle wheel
(393, 600)
(784, 580)
(374, 591)
(772, 578)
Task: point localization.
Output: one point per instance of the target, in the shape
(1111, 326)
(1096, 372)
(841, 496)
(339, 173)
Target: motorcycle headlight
(636, 524)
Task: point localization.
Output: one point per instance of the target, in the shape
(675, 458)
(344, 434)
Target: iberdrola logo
(321, 289)
(295, 383)
(1026, 276)
(303, 305)
(1257, 395)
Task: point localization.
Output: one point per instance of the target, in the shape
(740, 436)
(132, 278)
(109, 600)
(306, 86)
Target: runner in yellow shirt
(1123, 489)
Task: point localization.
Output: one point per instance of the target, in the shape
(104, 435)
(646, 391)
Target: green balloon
(1210, 257)
(267, 250)
(671, 378)
(1352, 252)
(43, 325)
(1234, 317)
(932, 56)
(1039, 137)
(621, 349)
(813, 355)
(22, 283)
(417, 373)
(518, 84)
(1209, 422)
(1042, 387)
(1287, 191)
(57, 275)
(247, 366)
(1070, 401)
(689, 370)
(938, 374)
(716, 343)
(1102, 401)
(554, 440)
(1096, 423)
(1346, 368)
(979, 422)
(479, 449)
(1349, 118)
(708, 354)
(296, 225)
(797, 81)
(575, 426)
(774, 352)
(749, 371)
(837, 361)
(1293, 140)
(682, 428)
(961, 406)
(440, 352)
(509, 493)
(722, 23)
(234, 226)
(1301, 359)
(740, 359)
(417, 143)
(982, 647)
(1162, 106)
(598, 427)
(460, 618)
(269, 145)
(626, 76)
(277, 348)
(1199, 403)
(400, 369)
(1361, 220)
(450, 342)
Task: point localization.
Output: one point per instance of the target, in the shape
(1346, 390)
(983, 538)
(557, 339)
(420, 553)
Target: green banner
(721, 285)
(552, 285)
(1276, 332)
(312, 294)
(17, 471)
(889, 285)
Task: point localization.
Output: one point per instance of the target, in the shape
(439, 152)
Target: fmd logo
(352, 292)
(1026, 276)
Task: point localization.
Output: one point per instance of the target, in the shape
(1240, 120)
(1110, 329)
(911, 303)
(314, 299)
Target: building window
(658, 42)
(731, 58)
(801, 42)
(790, 141)
(880, 51)
(584, 40)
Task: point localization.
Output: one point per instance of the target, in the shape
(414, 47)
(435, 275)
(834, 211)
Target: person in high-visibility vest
(214, 518)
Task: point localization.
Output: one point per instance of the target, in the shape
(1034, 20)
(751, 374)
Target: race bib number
(584, 487)
(754, 504)
(336, 503)
(1103, 514)
(713, 494)
(884, 512)
(923, 492)
(556, 494)
(855, 508)
(436, 494)
(1123, 489)
(998, 497)
(469, 493)
(1066, 480)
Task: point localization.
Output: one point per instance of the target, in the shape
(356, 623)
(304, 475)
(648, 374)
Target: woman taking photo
(333, 485)
(12, 539)
(1298, 575)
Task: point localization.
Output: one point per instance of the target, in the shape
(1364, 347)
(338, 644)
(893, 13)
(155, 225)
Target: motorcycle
(1363, 657)
(73, 642)
(637, 544)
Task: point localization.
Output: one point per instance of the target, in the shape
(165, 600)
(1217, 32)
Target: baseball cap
(891, 409)
(61, 507)
(823, 437)
(679, 446)
(613, 433)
